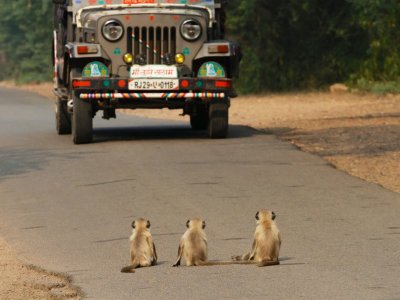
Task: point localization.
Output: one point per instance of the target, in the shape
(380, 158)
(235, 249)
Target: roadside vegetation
(25, 40)
(287, 45)
(292, 45)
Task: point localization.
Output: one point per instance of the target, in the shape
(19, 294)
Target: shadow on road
(164, 132)
(16, 161)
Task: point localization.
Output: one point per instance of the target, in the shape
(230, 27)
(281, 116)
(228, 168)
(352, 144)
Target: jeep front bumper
(118, 88)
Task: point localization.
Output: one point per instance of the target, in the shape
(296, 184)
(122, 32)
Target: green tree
(25, 39)
(381, 21)
(296, 44)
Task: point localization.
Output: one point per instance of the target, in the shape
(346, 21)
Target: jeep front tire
(63, 118)
(82, 115)
(218, 122)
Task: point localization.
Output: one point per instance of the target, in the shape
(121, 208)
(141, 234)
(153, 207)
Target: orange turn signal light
(218, 48)
(87, 49)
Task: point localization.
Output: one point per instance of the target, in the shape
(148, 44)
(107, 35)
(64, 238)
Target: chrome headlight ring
(112, 30)
(191, 30)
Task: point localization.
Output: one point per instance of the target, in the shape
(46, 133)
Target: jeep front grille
(151, 42)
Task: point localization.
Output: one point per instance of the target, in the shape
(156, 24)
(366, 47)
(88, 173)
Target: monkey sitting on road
(266, 244)
(194, 248)
(193, 245)
(143, 250)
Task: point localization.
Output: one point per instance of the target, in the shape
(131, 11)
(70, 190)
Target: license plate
(154, 84)
(153, 71)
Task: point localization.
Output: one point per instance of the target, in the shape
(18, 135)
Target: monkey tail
(264, 263)
(216, 263)
(129, 269)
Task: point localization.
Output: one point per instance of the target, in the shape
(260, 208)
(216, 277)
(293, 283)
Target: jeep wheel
(218, 120)
(199, 120)
(82, 120)
(63, 118)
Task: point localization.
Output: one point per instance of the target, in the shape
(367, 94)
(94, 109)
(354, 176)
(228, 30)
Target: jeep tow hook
(70, 105)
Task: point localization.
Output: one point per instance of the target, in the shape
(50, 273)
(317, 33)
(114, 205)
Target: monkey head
(265, 215)
(196, 222)
(140, 223)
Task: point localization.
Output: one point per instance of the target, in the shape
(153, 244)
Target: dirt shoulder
(357, 133)
(19, 281)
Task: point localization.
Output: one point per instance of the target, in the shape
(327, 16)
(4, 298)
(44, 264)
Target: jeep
(142, 54)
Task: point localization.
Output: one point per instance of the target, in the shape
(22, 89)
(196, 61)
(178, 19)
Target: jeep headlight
(113, 30)
(191, 29)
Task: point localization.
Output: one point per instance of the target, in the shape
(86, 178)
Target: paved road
(68, 208)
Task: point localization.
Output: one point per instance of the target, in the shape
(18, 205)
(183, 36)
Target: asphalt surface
(69, 208)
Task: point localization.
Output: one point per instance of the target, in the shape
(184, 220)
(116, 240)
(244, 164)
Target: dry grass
(19, 281)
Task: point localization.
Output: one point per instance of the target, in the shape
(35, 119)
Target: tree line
(286, 44)
(26, 40)
(307, 44)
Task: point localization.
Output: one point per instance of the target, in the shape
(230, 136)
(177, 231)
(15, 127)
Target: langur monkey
(193, 245)
(194, 248)
(143, 250)
(266, 244)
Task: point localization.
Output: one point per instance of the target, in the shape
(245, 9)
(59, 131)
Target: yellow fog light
(179, 58)
(128, 58)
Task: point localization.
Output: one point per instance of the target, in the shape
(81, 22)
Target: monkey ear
(187, 223)
(148, 224)
(204, 224)
(133, 224)
(273, 216)
(257, 218)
